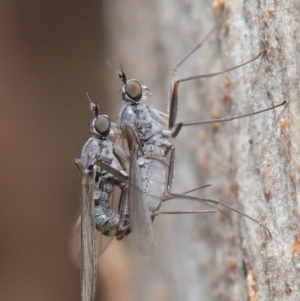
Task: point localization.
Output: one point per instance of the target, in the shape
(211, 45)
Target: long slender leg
(185, 57)
(78, 164)
(170, 181)
(216, 202)
(122, 177)
(123, 205)
(168, 198)
(171, 170)
(171, 176)
(121, 153)
(156, 213)
(191, 123)
(132, 137)
(175, 88)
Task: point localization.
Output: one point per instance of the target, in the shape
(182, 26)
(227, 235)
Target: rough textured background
(52, 53)
(252, 163)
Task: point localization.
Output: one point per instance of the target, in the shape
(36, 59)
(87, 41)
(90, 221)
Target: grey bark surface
(253, 163)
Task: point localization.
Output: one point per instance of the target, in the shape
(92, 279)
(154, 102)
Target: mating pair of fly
(147, 180)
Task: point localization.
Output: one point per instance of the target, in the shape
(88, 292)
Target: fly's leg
(78, 164)
(205, 200)
(156, 213)
(118, 151)
(171, 197)
(191, 123)
(122, 177)
(170, 181)
(171, 170)
(170, 178)
(181, 61)
(133, 137)
(174, 88)
(123, 206)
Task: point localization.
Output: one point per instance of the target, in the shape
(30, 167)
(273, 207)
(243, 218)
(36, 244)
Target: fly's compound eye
(102, 125)
(133, 90)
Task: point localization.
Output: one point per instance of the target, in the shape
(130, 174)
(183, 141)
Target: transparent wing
(121, 150)
(159, 116)
(118, 150)
(75, 243)
(102, 243)
(88, 241)
(139, 215)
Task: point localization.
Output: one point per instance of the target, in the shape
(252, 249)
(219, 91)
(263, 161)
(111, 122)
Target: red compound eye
(134, 90)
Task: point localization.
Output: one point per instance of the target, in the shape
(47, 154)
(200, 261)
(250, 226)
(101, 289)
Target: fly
(96, 211)
(147, 132)
(102, 171)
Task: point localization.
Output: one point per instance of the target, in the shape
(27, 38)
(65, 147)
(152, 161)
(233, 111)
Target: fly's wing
(139, 215)
(159, 116)
(121, 176)
(122, 155)
(88, 240)
(75, 242)
(102, 243)
(75, 235)
(121, 150)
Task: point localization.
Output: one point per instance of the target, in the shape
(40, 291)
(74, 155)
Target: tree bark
(252, 163)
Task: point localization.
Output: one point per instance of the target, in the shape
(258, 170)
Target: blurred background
(52, 53)
(50, 56)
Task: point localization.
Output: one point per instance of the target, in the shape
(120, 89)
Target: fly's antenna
(120, 75)
(123, 76)
(94, 107)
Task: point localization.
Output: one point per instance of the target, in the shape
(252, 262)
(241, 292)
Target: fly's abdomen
(106, 219)
(154, 177)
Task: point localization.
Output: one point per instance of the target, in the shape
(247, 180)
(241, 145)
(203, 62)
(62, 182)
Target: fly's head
(132, 91)
(100, 126)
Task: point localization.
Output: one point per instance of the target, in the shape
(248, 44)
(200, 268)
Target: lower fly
(96, 211)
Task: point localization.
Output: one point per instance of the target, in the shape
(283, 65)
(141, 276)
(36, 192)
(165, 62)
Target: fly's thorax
(126, 116)
(143, 116)
(106, 151)
(150, 129)
(89, 153)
